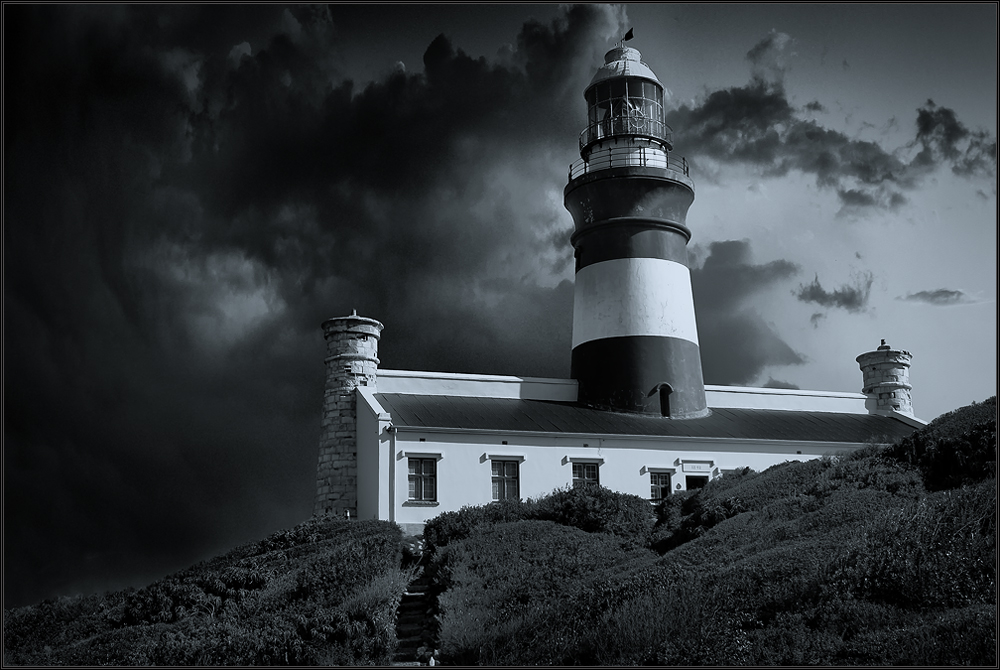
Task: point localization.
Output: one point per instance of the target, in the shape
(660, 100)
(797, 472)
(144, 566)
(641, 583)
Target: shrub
(682, 517)
(596, 509)
(955, 637)
(868, 468)
(955, 449)
(936, 552)
(326, 589)
(528, 592)
(451, 526)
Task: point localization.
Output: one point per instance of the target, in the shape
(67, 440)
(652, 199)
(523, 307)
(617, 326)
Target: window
(585, 474)
(694, 482)
(659, 485)
(505, 481)
(423, 479)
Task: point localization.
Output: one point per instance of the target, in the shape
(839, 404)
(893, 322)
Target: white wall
(476, 386)
(566, 390)
(374, 457)
(464, 475)
(786, 399)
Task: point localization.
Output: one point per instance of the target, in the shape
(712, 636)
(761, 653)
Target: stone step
(413, 600)
(414, 606)
(416, 590)
(406, 630)
(413, 621)
(412, 618)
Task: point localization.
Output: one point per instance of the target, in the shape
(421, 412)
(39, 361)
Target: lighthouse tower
(635, 341)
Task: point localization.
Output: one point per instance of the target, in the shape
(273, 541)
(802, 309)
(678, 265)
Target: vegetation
(591, 509)
(883, 556)
(324, 592)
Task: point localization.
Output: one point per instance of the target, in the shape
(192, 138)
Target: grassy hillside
(322, 593)
(884, 556)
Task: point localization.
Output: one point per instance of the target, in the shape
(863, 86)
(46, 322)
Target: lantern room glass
(625, 105)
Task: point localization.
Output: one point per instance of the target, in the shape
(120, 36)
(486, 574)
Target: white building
(636, 416)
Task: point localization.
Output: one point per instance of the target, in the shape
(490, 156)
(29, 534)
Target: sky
(189, 191)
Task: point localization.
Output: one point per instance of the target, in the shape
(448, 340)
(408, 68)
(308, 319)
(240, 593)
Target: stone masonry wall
(352, 361)
(886, 374)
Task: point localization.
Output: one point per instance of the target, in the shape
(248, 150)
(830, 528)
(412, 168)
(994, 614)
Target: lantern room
(624, 99)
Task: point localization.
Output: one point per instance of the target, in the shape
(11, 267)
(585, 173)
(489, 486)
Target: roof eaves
(606, 436)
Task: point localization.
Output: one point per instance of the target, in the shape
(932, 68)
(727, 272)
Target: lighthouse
(635, 340)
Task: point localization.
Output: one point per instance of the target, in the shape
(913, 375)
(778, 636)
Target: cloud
(724, 286)
(816, 318)
(852, 297)
(939, 297)
(945, 139)
(773, 383)
(755, 125)
(191, 192)
(768, 62)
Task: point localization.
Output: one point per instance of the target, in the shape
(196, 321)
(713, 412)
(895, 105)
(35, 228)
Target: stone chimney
(886, 374)
(351, 361)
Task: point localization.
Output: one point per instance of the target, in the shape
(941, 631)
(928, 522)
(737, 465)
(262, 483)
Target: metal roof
(623, 62)
(516, 415)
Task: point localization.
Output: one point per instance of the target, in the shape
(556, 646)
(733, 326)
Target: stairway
(415, 623)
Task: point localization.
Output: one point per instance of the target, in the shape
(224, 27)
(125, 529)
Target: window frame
(422, 478)
(504, 479)
(665, 491)
(585, 481)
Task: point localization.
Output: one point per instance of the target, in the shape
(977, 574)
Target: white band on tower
(633, 296)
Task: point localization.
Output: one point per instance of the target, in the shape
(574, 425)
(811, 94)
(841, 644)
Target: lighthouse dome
(623, 62)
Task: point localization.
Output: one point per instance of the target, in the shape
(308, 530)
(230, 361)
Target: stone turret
(887, 380)
(351, 361)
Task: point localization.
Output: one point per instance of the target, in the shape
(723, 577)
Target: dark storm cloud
(756, 125)
(723, 286)
(938, 297)
(189, 192)
(946, 139)
(852, 297)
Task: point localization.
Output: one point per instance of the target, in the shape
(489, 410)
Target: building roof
(623, 62)
(534, 416)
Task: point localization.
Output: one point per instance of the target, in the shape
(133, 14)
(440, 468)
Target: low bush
(964, 636)
(593, 509)
(955, 449)
(528, 592)
(596, 509)
(939, 551)
(869, 469)
(756, 491)
(325, 591)
(451, 526)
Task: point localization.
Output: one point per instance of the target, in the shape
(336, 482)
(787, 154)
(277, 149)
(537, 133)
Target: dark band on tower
(635, 339)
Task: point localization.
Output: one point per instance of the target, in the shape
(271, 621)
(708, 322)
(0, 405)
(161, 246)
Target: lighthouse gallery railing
(628, 157)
